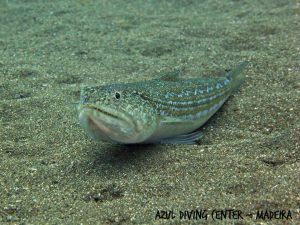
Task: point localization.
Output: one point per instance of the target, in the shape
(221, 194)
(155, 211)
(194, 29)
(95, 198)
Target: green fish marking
(165, 110)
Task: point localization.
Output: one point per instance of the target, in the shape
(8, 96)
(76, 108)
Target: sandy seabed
(248, 160)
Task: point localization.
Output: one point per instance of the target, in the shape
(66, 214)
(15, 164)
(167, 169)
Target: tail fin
(237, 75)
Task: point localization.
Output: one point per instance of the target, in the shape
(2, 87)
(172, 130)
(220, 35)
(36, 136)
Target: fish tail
(237, 75)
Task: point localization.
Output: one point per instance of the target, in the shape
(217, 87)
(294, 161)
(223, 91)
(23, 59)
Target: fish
(162, 110)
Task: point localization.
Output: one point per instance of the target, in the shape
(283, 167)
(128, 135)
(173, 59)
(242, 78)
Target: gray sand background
(249, 158)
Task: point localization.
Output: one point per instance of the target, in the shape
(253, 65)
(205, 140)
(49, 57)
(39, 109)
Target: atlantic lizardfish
(162, 110)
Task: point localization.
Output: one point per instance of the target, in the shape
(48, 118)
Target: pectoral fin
(177, 124)
(188, 139)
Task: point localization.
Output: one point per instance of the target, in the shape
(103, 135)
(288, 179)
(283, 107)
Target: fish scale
(164, 110)
(187, 106)
(175, 93)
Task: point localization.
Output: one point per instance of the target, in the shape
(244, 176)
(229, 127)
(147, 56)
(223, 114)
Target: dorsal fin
(171, 76)
(237, 75)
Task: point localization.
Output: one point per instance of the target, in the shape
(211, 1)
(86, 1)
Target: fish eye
(117, 95)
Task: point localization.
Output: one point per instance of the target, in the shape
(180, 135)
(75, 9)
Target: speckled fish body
(166, 110)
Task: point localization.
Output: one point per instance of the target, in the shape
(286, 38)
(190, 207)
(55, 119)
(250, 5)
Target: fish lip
(98, 109)
(99, 124)
(85, 108)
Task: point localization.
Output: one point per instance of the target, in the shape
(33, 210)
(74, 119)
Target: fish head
(116, 113)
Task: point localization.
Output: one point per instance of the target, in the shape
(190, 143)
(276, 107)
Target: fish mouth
(102, 111)
(104, 122)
